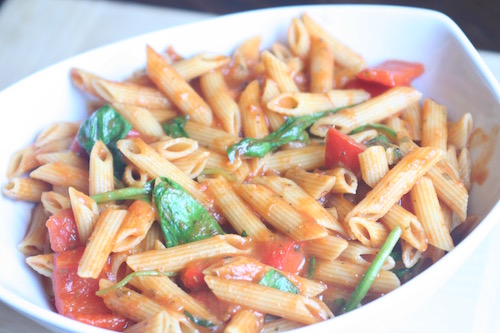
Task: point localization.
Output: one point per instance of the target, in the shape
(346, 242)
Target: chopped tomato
(392, 73)
(284, 254)
(341, 150)
(373, 88)
(75, 296)
(192, 276)
(63, 234)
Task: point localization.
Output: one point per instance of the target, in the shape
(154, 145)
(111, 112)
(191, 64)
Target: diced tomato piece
(341, 150)
(75, 296)
(192, 276)
(284, 254)
(373, 88)
(63, 233)
(392, 73)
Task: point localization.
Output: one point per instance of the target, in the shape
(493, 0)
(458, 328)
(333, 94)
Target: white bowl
(455, 76)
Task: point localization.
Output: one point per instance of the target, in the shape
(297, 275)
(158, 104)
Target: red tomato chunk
(62, 231)
(284, 254)
(75, 296)
(341, 150)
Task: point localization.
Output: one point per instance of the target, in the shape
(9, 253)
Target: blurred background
(479, 19)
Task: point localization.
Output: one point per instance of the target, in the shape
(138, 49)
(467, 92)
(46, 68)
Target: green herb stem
(372, 272)
(129, 277)
(127, 193)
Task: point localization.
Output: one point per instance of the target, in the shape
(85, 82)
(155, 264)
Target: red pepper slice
(75, 296)
(392, 73)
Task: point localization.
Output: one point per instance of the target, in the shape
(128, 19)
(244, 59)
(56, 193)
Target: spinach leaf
(292, 130)
(381, 140)
(175, 127)
(109, 126)
(276, 280)
(182, 218)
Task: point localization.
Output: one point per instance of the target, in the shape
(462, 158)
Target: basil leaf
(175, 127)
(182, 218)
(109, 126)
(276, 280)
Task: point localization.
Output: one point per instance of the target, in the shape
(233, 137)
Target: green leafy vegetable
(386, 130)
(382, 140)
(175, 127)
(126, 193)
(109, 126)
(129, 277)
(372, 272)
(182, 218)
(312, 267)
(199, 321)
(276, 280)
(244, 233)
(292, 130)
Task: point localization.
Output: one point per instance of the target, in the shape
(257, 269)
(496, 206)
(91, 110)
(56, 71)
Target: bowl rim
(459, 254)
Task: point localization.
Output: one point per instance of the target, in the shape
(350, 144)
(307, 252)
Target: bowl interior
(455, 76)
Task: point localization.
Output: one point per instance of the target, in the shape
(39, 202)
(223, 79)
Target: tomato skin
(284, 254)
(75, 296)
(392, 73)
(341, 150)
(192, 276)
(63, 233)
(373, 88)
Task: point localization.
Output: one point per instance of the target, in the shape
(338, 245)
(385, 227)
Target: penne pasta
(434, 126)
(130, 94)
(177, 89)
(176, 258)
(237, 212)
(220, 100)
(279, 213)
(265, 300)
(428, 211)
(315, 184)
(253, 119)
(27, 189)
(373, 110)
(33, 242)
(60, 174)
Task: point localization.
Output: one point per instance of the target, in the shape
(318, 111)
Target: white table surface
(35, 29)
